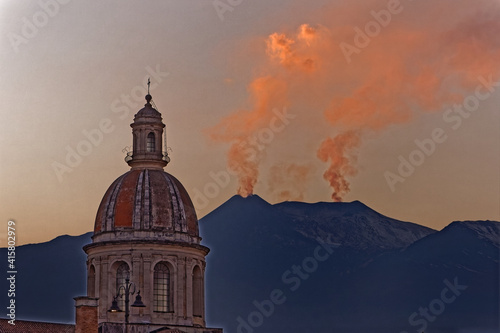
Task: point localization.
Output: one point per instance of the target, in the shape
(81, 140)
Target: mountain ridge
(380, 270)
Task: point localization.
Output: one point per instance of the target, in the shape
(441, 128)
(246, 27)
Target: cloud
(427, 56)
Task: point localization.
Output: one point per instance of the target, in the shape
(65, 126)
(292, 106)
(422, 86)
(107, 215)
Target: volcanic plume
(338, 151)
(239, 129)
(423, 57)
(289, 181)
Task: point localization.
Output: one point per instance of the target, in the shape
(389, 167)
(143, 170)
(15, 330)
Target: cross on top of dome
(148, 96)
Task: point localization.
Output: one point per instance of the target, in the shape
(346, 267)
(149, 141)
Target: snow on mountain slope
(488, 230)
(352, 224)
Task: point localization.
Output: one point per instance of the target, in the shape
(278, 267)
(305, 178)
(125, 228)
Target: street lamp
(127, 290)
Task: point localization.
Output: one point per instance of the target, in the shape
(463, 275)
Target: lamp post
(127, 290)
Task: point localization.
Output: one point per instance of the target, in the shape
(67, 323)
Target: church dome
(148, 111)
(145, 203)
(146, 236)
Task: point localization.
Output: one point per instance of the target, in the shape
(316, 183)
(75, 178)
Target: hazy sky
(307, 99)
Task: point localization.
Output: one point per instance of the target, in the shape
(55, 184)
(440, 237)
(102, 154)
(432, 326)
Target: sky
(392, 103)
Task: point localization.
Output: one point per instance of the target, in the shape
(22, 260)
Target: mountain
(379, 272)
(48, 276)
(298, 267)
(454, 273)
(353, 224)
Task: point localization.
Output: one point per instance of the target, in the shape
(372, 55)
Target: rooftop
(23, 326)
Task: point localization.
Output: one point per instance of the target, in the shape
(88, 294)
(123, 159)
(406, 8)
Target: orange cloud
(237, 128)
(426, 58)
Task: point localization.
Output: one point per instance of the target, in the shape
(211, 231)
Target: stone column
(189, 287)
(137, 279)
(104, 290)
(97, 265)
(181, 289)
(148, 288)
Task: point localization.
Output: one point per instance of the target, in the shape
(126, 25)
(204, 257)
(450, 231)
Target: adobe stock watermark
(292, 279)
(31, 26)
(251, 147)
(123, 107)
(223, 6)
(362, 37)
(11, 271)
(436, 307)
(453, 117)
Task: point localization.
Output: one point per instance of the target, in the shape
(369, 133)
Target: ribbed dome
(147, 203)
(147, 111)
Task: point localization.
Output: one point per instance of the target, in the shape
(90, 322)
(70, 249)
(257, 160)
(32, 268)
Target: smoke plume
(240, 128)
(423, 58)
(289, 181)
(340, 153)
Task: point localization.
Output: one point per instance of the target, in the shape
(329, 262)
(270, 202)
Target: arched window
(197, 292)
(122, 273)
(91, 282)
(150, 143)
(161, 289)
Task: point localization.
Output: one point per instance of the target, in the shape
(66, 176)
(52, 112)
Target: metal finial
(148, 96)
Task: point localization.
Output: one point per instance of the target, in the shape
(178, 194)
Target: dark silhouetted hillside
(328, 267)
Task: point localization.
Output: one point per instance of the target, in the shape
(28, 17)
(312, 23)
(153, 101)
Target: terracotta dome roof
(148, 203)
